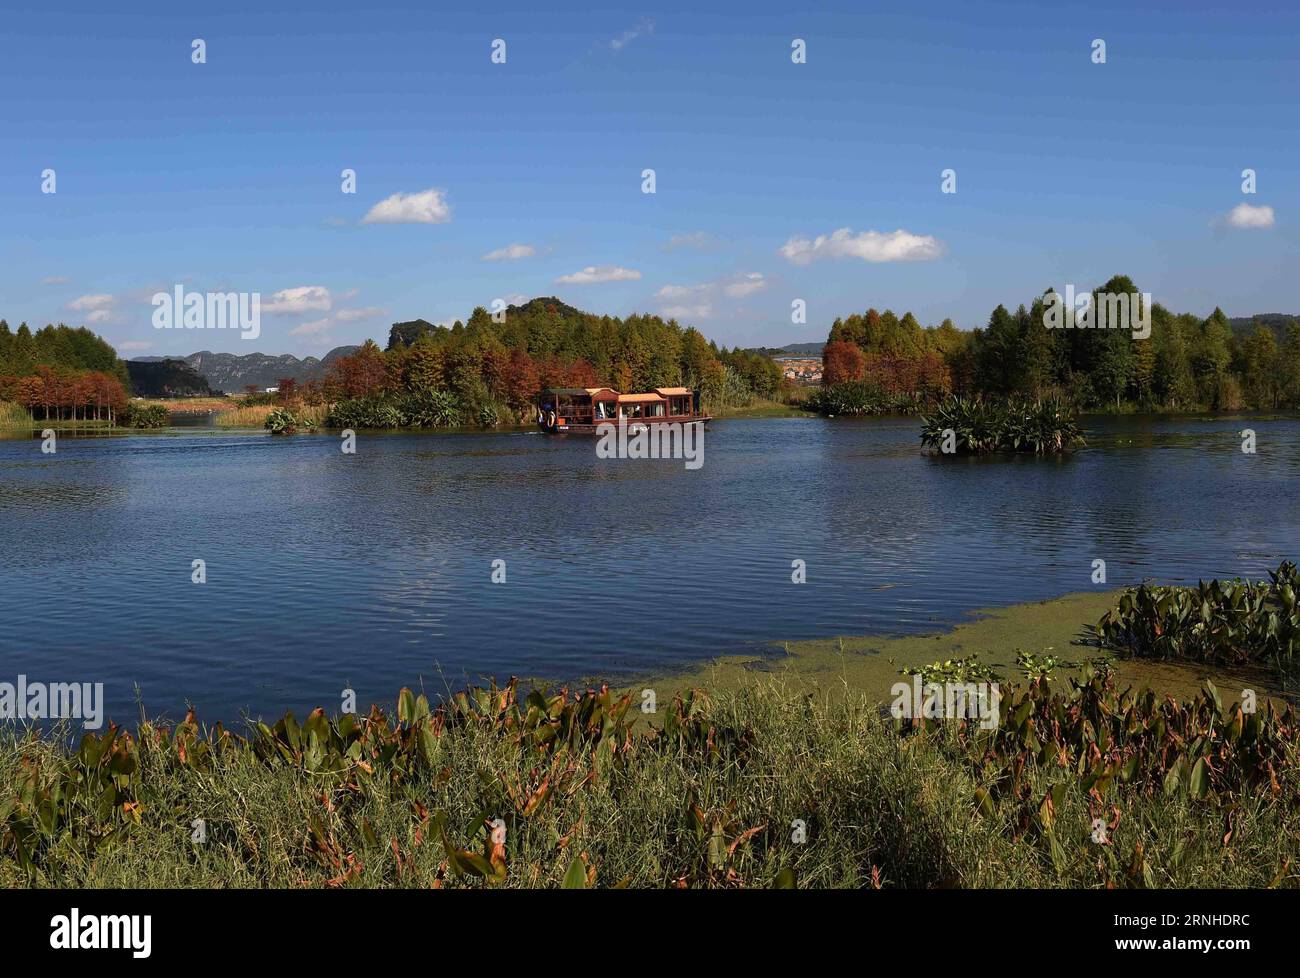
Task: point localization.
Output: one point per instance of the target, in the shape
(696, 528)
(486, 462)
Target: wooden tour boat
(581, 410)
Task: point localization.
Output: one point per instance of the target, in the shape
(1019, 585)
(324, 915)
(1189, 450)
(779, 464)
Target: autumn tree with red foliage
(924, 374)
(66, 395)
(359, 373)
(842, 361)
(522, 381)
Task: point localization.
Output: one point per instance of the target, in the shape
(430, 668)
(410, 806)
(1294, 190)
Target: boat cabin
(582, 409)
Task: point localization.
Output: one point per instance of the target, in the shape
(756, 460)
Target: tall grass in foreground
(15, 416)
(761, 787)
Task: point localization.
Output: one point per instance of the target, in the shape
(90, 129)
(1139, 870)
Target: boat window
(633, 411)
(655, 409)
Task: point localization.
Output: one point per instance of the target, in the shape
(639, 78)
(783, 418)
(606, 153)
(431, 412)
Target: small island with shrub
(979, 426)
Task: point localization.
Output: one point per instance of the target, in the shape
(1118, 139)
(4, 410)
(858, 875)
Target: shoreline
(768, 410)
(870, 664)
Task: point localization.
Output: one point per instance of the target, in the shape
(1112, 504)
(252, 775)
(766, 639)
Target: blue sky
(227, 175)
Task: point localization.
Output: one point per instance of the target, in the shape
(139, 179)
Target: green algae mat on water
(1062, 627)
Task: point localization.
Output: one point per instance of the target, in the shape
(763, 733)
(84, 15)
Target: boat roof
(658, 394)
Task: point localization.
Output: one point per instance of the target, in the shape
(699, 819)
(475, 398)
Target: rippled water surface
(373, 571)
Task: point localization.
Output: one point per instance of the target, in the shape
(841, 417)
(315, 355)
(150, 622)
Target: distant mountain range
(791, 350)
(231, 373)
(1276, 321)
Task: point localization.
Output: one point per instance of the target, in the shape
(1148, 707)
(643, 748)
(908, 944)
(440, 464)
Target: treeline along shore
(879, 363)
(489, 370)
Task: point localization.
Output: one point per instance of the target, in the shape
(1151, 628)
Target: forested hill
(60, 348)
(529, 325)
(563, 344)
(167, 378)
(790, 350)
(1278, 322)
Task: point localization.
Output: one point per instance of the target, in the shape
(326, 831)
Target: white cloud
(355, 315)
(55, 280)
(745, 285)
(87, 302)
(703, 311)
(134, 346)
(679, 291)
(699, 240)
(872, 246)
(425, 207)
(305, 298)
(96, 309)
(698, 301)
(318, 298)
(511, 252)
(1249, 217)
(644, 26)
(602, 273)
(313, 328)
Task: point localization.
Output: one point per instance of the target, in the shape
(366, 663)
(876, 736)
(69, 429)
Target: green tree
(1210, 356)
(1262, 374)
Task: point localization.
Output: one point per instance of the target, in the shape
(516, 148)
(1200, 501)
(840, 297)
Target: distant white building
(271, 390)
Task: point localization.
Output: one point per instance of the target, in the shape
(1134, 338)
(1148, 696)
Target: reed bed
(244, 417)
(15, 416)
(191, 405)
(255, 415)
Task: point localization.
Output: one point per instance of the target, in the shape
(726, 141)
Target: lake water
(373, 571)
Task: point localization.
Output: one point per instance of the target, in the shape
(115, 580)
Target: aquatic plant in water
(1231, 622)
(976, 426)
(282, 421)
